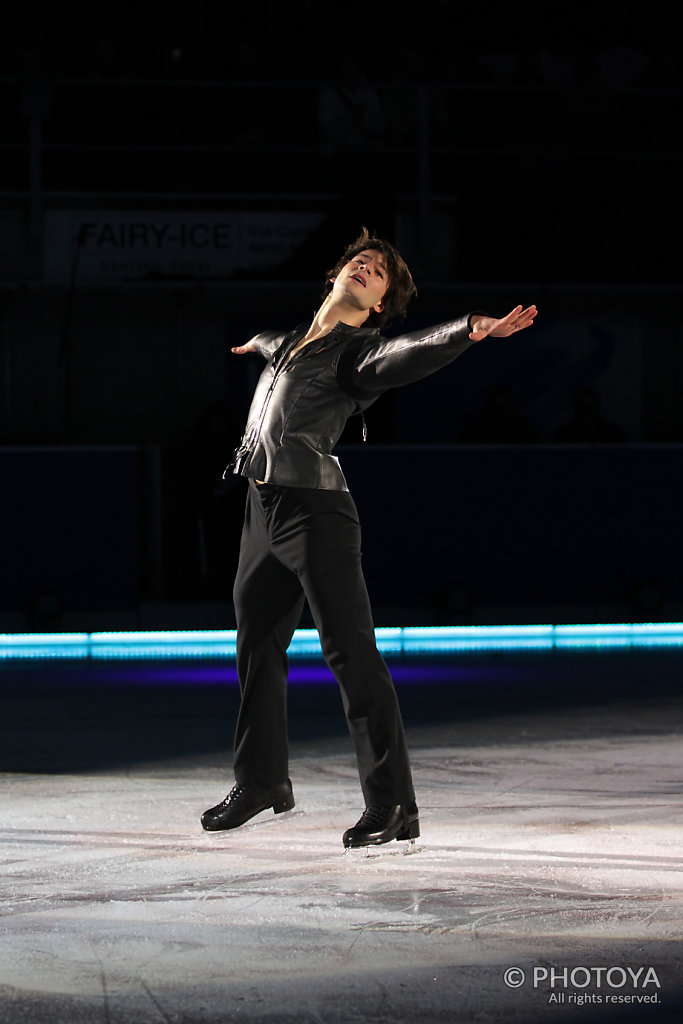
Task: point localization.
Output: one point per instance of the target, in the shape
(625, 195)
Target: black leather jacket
(301, 404)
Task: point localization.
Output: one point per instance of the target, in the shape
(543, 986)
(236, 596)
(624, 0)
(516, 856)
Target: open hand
(243, 350)
(487, 326)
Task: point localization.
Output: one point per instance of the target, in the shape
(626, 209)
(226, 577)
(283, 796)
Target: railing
(167, 136)
(567, 154)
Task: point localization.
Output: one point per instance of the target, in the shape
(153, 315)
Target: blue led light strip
(306, 644)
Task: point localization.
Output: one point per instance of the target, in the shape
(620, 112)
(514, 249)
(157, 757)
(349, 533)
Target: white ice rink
(551, 849)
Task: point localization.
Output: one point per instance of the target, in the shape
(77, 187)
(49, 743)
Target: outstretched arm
(488, 327)
(264, 344)
(410, 357)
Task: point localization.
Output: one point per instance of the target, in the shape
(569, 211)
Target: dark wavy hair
(401, 288)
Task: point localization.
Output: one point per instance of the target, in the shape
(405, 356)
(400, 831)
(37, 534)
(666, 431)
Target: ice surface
(550, 837)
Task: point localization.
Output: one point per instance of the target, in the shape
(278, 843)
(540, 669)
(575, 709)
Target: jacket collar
(341, 333)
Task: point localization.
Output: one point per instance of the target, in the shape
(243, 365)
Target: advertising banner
(118, 247)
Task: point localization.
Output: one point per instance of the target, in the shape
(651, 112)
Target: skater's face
(363, 282)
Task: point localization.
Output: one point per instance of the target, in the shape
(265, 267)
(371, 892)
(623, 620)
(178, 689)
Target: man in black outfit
(301, 534)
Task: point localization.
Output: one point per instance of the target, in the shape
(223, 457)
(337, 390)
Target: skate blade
(277, 819)
(264, 819)
(404, 848)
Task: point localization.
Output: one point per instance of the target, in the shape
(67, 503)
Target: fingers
(243, 350)
(516, 320)
(521, 318)
(530, 311)
(518, 314)
(512, 315)
(528, 314)
(506, 323)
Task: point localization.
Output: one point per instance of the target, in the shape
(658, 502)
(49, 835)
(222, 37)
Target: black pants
(296, 542)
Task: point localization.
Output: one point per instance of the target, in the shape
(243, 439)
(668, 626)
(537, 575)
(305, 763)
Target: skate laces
(235, 793)
(374, 816)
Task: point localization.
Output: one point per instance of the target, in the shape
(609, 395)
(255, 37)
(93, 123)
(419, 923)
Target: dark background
(517, 152)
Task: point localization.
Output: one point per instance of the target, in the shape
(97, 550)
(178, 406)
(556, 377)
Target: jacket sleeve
(268, 343)
(390, 363)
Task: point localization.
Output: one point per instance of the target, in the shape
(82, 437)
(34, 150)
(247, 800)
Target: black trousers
(296, 542)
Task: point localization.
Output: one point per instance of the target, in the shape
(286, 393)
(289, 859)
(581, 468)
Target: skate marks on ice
(117, 907)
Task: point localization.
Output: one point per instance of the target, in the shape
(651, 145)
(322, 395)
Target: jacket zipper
(246, 445)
